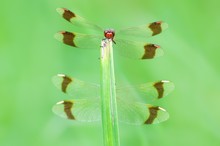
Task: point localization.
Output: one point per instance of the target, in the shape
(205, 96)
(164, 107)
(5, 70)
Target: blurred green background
(30, 56)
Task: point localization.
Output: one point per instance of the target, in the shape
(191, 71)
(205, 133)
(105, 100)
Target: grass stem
(108, 95)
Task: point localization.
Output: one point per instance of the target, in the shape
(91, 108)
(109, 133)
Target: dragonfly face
(109, 34)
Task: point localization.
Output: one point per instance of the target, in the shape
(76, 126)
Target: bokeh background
(30, 56)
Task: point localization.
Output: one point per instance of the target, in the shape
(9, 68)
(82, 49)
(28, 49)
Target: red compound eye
(109, 34)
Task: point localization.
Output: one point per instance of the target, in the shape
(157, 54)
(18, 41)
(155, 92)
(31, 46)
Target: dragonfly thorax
(109, 34)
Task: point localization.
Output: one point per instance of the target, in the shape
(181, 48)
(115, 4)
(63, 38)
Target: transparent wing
(79, 110)
(143, 31)
(76, 88)
(147, 91)
(130, 49)
(137, 50)
(130, 113)
(79, 40)
(77, 20)
(87, 109)
(138, 113)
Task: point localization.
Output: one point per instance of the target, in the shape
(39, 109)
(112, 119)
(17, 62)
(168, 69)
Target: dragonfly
(126, 41)
(85, 105)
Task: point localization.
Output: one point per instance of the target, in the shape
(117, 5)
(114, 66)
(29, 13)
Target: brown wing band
(67, 14)
(68, 38)
(150, 51)
(160, 89)
(155, 27)
(66, 81)
(153, 114)
(67, 109)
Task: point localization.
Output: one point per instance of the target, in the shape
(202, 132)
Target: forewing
(76, 88)
(77, 20)
(79, 40)
(147, 91)
(138, 50)
(139, 113)
(82, 110)
(143, 31)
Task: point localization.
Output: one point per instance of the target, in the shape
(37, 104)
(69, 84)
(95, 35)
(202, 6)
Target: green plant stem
(108, 95)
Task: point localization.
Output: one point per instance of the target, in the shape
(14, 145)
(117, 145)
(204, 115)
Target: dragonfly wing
(79, 40)
(147, 91)
(138, 50)
(77, 20)
(80, 110)
(143, 31)
(138, 113)
(75, 87)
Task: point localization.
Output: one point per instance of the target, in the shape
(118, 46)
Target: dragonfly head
(109, 34)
